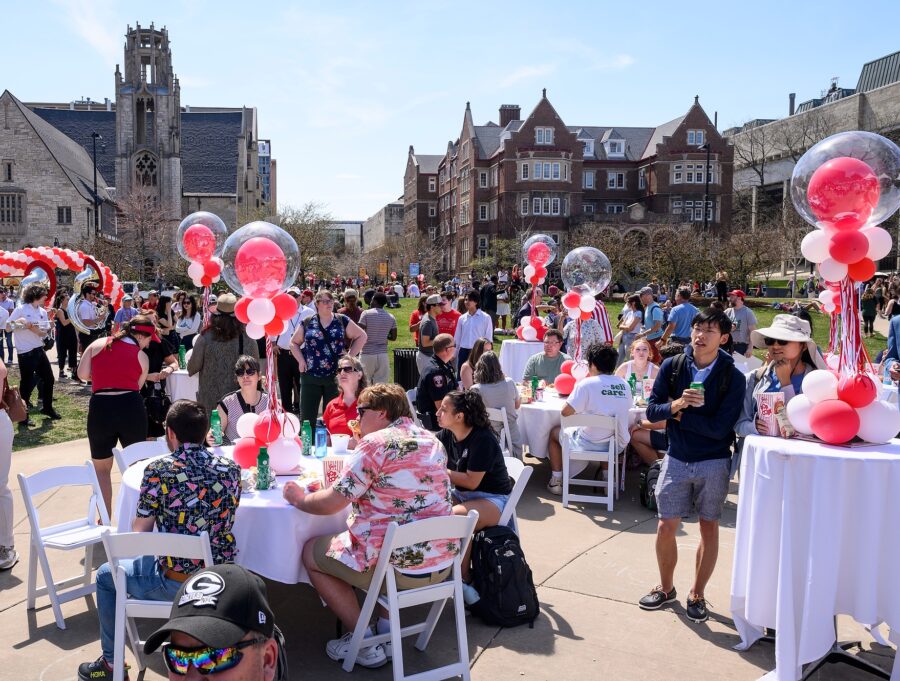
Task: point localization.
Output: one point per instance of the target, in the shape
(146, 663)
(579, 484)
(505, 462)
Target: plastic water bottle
(321, 440)
(886, 376)
(306, 438)
(182, 357)
(215, 425)
(262, 469)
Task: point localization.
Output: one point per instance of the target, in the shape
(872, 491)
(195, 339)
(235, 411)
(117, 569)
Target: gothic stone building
(186, 158)
(538, 174)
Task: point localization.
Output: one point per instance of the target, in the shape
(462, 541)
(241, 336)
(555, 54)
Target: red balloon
(844, 191)
(834, 421)
(535, 280)
(275, 327)
(205, 280)
(862, 270)
(285, 306)
(541, 332)
(541, 271)
(536, 323)
(266, 428)
(833, 285)
(212, 268)
(519, 333)
(586, 315)
(240, 310)
(571, 300)
(199, 242)
(857, 390)
(538, 254)
(260, 266)
(564, 384)
(393, 275)
(246, 450)
(849, 246)
(566, 367)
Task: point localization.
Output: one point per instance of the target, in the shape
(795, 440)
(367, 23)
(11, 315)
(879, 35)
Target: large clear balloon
(847, 180)
(586, 267)
(201, 236)
(261, 260)
(539, 250)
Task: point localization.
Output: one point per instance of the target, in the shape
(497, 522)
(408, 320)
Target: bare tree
(308, 225)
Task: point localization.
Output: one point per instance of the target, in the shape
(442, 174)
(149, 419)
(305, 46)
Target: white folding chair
(138, 452)
(82, 533)
(610, 456)
(411, 398)
(500, 416)
(132, 545)
(521, 473)
(458, 528)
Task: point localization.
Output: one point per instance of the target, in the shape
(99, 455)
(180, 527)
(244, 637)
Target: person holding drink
(30, 327)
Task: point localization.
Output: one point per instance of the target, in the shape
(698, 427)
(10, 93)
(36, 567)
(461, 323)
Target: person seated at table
(397, 473)
(600, 393)
(474, 460)
(351, 382)
(169, 502)
(648, 438)
(499, 391)
(436, 381)
(639, 364)
(792, 354)
(467, 368)
(547, 365)
(249, 399)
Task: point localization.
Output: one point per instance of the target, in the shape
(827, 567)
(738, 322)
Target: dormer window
(543, 135)
(615, 148)
(695, 138)
(589, 148)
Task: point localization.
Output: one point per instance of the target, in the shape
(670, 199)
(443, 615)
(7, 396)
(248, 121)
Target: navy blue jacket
(706, 432)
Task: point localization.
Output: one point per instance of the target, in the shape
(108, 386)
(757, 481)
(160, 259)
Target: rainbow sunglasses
(205, 660)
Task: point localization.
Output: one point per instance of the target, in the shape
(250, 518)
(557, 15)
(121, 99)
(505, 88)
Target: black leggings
(115, 418)
(67, 347)
(868, 324)
(34, 365)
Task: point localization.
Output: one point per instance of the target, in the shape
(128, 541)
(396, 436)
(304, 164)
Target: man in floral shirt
(398, 473)
(187, 492)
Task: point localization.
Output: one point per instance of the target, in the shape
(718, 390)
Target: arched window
(145, 168)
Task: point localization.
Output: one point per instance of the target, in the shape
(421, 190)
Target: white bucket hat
(789, 328)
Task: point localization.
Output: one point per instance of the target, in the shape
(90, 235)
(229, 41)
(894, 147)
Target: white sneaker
(370, 657)
(555, 486)
(8, 557)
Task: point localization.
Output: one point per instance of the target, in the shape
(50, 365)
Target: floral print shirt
(188, 492)
(398, 474)
(323, 346)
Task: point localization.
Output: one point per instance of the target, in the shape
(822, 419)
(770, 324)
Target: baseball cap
(646, 291)
(294, 291)
(218, 606)
(213, 299)
(433, 300)
(308, 292)
(127, 297)
(737, 292)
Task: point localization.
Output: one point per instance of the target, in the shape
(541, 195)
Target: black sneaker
(696, 609)
(52, 413)
(657, 598)
(98, 670)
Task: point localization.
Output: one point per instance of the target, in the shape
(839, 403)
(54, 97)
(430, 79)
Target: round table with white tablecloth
(514, 355)
(816, 536)
(269, 532)
(181, 386)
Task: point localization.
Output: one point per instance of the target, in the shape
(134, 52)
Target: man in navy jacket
(695, 471)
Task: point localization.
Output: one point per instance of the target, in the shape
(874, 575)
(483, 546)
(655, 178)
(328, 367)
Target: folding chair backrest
(500, 416)
(431, 529)
(133, 544)
(589, 420)
(63, 476)
(138, 452)
(520, 473)
(411, 399)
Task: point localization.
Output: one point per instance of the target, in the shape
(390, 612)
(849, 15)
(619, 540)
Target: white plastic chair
(132, 545)
(500, 416)
(82, 533)
(138, 452)
(610, 457)
(411, 398)
(521, 473)
(398, 536)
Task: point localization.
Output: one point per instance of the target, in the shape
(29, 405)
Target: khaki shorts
(362, 580)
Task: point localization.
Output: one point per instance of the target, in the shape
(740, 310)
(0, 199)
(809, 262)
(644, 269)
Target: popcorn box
(766, 408)
(333, 464)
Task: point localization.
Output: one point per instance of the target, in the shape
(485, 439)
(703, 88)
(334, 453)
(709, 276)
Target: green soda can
(698, 386)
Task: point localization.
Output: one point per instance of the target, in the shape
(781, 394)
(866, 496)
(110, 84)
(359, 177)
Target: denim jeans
(144, 580)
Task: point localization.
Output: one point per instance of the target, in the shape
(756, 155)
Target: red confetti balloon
(240, 310)
(848, 246)
(857, 390)
(844, 191)
(834, 421)
(245, 451)
(862, 270)
(260, 266)
(564, 384)
(538, 254)
(566, 367)
(199, 242)
(285, 305)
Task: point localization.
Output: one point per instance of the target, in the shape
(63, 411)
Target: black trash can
(406, 372)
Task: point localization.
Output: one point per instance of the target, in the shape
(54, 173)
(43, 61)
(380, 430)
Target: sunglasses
(346, 370)
(245, 372)
(773, 341)
(205, 660)
(361, 409)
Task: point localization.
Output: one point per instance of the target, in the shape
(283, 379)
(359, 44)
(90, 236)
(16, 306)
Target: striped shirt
(602, 318)
(378, 324)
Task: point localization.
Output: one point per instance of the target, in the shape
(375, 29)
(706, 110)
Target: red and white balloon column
(200, 240)
(539, 252)
(845, 187)
(585, 272)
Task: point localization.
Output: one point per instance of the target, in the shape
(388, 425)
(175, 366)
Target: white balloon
(529, 333)
(255, 331)
(245, 424)
(290, 426)
(832, 270)
(195, 270)
(878, 422)
(575, 313)
(587, 303)
(814, 246)
(580, 370)
(879, 242)
(826, 296)
(832, 360)
(525, 321)
(529, 272)
(798, 414)
(197, 283)
(284, 455)
(820, 385)
(261, 311)
(829, 307)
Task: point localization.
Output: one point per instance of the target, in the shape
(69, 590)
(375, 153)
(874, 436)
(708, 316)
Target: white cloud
(94, 22)
(527, 73)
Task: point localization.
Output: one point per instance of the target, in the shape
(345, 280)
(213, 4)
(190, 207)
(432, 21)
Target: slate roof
(79, 128)
(635, 139)
(878, 73)
(488, 137)
(428, 163)
(664, 130)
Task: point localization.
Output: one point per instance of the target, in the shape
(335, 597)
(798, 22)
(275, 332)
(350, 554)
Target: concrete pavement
(590, 567)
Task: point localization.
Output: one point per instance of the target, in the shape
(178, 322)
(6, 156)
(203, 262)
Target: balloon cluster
(201, 236)
(277, 431)
(571, 372)
(538, 251)
(844, 186)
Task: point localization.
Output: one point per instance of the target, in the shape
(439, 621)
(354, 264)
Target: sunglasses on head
(205, 660)
(773, 341)
(245, 372)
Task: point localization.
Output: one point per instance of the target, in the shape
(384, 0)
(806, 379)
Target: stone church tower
(148, 120)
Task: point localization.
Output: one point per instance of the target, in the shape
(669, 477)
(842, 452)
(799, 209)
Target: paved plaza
(590, 567)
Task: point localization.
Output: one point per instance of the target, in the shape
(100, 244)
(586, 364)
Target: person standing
(351, 307)
(679, 325)
(601, 316)
(630, 323)
(288, 370)
(489, 299)
(9, 306)
(188, 325)
(87, 313)
(123, 314)
(438, 379)
(743, 323)
(428, 331)
(8, 554)
(653, 322)
(721, 285)
(30, 333)
(448, 317)
(66, 338)
(380, 327)
(474, 324)
(697, 466)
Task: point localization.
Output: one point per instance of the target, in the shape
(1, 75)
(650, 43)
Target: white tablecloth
(817, 535)
(269, 532)
(180, 386)
(514, 355)
(888, 393)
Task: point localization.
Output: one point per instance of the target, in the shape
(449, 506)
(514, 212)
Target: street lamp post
(706, 188)
(94, 137)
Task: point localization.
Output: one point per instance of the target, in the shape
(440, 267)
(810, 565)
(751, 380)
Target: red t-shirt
(337, 414)
(415, 318)
(446, 321)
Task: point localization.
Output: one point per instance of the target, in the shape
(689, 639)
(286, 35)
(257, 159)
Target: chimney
(509, 112)
(108, 103)
(791, 99)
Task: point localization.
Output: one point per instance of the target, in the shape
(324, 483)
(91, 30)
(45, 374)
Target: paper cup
(333, 467)
(765, 409)
(339, 443)
(647, 388)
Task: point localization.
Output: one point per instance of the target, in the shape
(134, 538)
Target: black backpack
(649, 476)
(503, 579)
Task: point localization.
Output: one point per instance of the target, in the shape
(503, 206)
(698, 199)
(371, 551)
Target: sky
(344, 88)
